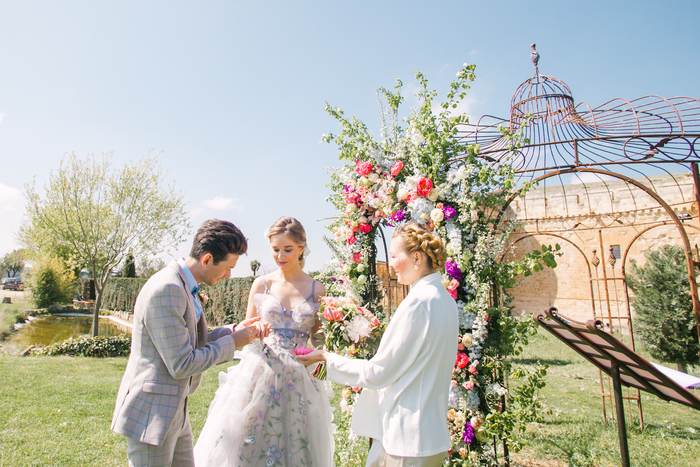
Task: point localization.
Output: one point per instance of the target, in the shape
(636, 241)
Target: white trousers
(176, 450)
(378, 457)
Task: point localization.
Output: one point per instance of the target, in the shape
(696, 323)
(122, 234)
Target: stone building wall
(595, 216)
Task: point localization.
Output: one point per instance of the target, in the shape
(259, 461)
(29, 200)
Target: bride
(268, 410)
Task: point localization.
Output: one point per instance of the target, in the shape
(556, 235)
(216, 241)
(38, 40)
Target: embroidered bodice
(290, 327)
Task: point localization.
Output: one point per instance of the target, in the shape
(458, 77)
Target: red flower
(365, 228)
(363, 168)
(396, 168)
(351, 239)
(462, 360)
(357, 257)
(453, 293)
(412, 195)
(424, 186)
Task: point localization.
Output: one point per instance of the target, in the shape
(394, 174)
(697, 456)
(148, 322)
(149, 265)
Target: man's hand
(248, 330)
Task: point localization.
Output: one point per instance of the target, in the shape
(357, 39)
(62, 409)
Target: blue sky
(232, 92)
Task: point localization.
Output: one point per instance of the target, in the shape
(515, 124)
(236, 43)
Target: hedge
(88, 346)
(227, 302)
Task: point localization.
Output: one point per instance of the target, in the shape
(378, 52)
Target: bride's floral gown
(268, 410)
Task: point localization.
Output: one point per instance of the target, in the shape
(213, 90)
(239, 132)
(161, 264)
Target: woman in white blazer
(403, 406)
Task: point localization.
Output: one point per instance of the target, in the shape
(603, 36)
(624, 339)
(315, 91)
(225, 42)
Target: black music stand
(613, 358)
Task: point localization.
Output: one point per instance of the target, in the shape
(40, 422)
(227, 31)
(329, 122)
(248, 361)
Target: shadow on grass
(545, 361)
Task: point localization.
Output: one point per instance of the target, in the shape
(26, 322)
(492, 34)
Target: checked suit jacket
(169, 352)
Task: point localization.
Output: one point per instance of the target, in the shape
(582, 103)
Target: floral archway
(419, 170)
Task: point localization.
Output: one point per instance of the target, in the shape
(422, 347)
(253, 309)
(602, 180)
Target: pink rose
(365, 228)
(472, 369)
(357, 257)
(462, 360)
(301, 350)
(424, 186)
(452, 285)
(454, 383)
(468, 385)
(460, 347)
(453, 293)
(351, 239)
(363, 168)
(396, 168)
(356, 388)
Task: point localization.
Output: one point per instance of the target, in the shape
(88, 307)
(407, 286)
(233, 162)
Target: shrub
(88, 346)
(51, 282)
(227, 301)
(664, 306)
(120, 293)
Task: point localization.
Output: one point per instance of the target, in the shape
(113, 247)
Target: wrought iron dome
(650, 131)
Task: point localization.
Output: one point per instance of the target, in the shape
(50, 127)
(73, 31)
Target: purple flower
(468, 435)
(453, 270)
(449, 212)
(399, 216)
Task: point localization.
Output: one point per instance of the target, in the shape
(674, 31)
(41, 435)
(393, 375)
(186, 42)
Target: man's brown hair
(220, 239)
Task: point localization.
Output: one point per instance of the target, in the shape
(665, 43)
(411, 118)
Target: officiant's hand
(313, 357)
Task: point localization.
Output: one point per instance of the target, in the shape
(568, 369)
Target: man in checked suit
(171, 348)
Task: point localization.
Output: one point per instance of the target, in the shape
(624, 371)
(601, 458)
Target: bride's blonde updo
(293, 229)
(417, 238)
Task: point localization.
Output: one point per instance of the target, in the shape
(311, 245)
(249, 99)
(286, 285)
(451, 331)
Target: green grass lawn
(56, 411)
(10, 311)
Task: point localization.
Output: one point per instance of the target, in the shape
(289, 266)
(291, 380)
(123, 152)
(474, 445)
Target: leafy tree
(101, 214)
(51, 282)
(254, 266)
(12, 263)
(129, 266)
(149, 266)
(664, 306)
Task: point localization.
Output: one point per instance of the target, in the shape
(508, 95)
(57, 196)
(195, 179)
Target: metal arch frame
(588, 264)
(669, 211)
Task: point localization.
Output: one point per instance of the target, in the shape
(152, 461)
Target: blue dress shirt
(192, 286)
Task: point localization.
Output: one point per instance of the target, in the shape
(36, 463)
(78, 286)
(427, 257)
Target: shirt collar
(427, 279)
(192, 285)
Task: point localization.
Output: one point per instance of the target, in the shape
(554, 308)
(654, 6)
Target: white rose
(437, 215)
(351, 207)
(373, 177)
(363, 220)
(376, 202)
(402, 194)
(467, 340)
(433, 195)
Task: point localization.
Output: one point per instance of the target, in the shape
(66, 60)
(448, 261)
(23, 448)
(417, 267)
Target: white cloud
(221, 203)
(218, 203)
(10, 198)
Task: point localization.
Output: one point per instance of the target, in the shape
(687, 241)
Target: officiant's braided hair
(220, 239)
(292, 228)
(417, 238)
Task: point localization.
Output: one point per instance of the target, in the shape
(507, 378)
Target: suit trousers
(378, 457)
(176, 450)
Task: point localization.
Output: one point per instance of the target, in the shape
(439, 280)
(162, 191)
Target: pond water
(45, 330)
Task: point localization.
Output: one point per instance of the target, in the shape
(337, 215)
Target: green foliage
(664, 306)
(129, 269)
(254, 266)
(50, 282)
(89, 346)
(95, 215)
(120, 293)
(12, 263)
(149, 266)
(226, 302)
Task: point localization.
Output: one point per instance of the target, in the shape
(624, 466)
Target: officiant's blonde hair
(418, 238)
(292, 228)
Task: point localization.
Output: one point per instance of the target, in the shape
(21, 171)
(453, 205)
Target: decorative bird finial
(535, 57)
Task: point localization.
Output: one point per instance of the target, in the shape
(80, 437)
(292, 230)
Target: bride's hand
(313, 357)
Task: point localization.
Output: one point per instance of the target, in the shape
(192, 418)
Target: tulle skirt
(268, 411)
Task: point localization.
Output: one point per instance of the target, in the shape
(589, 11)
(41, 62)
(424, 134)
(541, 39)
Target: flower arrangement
(423, 172)
(348, 328)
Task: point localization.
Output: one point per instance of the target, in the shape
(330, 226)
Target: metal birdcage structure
(622, 149)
